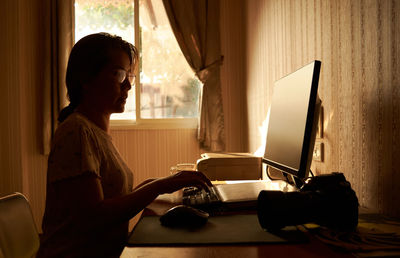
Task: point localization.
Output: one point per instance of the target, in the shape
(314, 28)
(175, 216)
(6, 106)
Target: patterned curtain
(195, 24)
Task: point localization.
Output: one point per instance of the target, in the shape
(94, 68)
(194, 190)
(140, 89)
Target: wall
(150, 153)
(233, 74)
(10, 151)
(22, 167)
(358, 43)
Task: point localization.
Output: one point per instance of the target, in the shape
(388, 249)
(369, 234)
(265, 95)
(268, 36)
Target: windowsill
(166, 123)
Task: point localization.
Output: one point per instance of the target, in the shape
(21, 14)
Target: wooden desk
(314, 248)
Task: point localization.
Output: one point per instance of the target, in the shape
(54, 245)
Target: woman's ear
(86, 82)
(87, 86)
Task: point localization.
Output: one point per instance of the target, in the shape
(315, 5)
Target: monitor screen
(293, 121)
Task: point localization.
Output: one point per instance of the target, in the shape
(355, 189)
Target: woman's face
(109, 89)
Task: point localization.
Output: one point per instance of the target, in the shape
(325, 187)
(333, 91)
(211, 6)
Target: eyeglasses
(121, 75)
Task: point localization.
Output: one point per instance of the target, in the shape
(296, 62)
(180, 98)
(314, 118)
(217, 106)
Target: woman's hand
(183, 179)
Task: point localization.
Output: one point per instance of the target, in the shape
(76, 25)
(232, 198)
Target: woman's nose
(126, 84)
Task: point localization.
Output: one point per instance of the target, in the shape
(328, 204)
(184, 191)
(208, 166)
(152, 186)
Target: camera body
(327, 200)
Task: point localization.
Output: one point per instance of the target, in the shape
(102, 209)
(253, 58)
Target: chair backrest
(18, 234)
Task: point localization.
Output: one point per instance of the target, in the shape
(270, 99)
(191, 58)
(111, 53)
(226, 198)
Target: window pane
(169, 88)
(114, 17)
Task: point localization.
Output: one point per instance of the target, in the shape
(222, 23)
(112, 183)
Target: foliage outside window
(168, 87)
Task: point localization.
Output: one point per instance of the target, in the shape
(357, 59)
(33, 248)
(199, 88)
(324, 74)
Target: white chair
(18, 234)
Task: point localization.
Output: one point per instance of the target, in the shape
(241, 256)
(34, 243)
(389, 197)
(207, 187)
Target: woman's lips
(123, 98)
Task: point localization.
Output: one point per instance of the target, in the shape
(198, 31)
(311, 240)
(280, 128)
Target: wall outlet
(318, 154)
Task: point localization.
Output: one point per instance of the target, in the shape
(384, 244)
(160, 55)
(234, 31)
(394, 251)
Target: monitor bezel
(309, 133)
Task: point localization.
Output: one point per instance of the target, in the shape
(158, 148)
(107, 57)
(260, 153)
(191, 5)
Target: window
(167, 89)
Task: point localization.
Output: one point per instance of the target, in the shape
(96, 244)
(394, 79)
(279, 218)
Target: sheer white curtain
(197, 29)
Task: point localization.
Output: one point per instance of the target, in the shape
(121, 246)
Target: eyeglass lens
(121, 75)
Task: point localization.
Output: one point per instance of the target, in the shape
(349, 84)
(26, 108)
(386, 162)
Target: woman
(89, 187)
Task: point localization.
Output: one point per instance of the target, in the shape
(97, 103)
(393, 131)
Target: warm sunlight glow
(263, 129)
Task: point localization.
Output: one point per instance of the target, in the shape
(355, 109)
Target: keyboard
(195, 197)
(212, 203)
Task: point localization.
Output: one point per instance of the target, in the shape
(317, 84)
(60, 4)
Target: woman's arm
(84, 197)
(143, 183)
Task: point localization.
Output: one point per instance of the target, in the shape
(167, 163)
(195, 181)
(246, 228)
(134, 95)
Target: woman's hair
(87, 58)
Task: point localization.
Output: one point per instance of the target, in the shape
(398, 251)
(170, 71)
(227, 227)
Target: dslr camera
(327, 200)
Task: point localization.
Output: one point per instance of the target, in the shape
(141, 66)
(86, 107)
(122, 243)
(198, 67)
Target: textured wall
(233, 76)
(33, 50)
(150, 153)
(358, 43)
(10, 151)
(22, 167)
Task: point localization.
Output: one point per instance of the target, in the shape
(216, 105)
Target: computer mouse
(184, 216)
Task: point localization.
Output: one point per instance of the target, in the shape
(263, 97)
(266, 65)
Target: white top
(80, 147)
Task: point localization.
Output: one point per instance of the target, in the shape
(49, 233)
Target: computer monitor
(293, 121)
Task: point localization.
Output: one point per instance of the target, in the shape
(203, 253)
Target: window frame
(149, 123)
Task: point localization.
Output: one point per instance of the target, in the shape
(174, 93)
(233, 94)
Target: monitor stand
(275, 174)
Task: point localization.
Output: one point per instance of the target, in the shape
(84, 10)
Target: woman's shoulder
(77, 126)
(75, 149)
(78, 122)
(73, 124)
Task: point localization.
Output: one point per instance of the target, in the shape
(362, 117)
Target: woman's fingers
(208, 182)
(202, 177)
(184, 179)
(197, 177)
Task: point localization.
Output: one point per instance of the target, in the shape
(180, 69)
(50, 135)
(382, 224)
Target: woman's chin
(120, 108)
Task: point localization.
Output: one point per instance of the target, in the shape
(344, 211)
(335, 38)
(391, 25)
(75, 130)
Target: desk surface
(376, 235)
(313, 248)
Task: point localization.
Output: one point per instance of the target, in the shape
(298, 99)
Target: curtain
(58, 43)
(195, 24)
